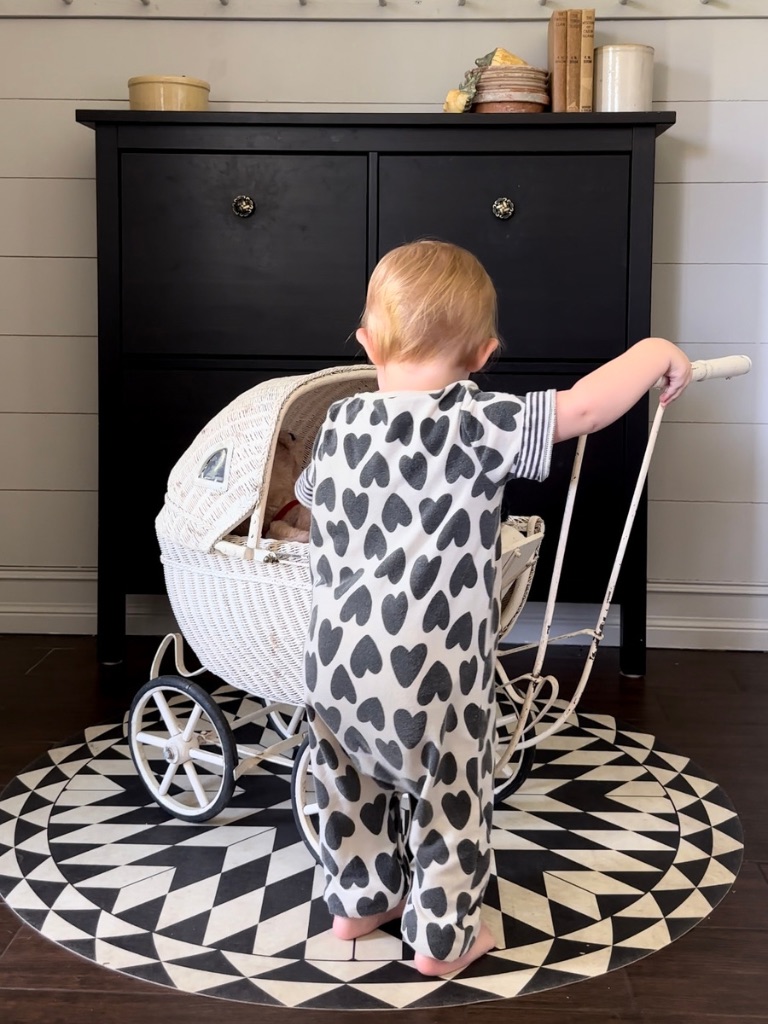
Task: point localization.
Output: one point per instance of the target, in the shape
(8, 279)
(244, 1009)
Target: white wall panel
(718, 304)
(47, 217)
(48, 528)
(711, 223)
(48, 375)
(48, 453)
(700, 462)
(717, 141)
(699, 541)
(47, 296)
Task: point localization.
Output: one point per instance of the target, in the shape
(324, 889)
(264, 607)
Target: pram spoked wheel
(183, 748)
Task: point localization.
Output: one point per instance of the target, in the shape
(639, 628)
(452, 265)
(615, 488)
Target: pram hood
(223, 477)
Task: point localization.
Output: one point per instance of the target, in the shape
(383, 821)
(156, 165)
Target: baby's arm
(608, 392)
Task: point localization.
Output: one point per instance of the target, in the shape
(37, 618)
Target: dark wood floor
(710, 706)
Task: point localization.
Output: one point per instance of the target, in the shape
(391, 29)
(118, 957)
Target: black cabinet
(235, 247)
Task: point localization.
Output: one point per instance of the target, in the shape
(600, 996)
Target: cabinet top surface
(660, 119)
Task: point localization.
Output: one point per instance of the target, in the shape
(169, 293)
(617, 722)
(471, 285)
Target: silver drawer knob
(243, 206)
(503, 208)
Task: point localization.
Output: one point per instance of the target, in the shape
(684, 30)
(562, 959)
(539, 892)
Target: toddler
(405, 488)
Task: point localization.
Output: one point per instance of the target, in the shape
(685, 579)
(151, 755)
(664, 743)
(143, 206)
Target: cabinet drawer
(559, 262)
(288, 280)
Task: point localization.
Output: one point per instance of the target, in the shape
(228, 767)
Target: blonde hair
(428, 297)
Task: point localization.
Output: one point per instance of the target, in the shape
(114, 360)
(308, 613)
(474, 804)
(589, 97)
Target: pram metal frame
(531, 696)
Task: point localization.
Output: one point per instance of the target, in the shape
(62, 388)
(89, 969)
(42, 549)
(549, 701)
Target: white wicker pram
(242, 603)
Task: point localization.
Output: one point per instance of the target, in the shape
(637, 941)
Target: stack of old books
(571, 44)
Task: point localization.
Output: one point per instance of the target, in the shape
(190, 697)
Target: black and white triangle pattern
(612, 849)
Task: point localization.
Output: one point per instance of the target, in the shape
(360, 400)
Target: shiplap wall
(709, 491)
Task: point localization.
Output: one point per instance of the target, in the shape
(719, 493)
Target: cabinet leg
(110, 637)
(632, 638)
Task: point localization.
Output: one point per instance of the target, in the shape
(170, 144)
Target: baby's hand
(677, 378)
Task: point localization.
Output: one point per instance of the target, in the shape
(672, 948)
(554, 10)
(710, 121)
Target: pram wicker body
(242, 602)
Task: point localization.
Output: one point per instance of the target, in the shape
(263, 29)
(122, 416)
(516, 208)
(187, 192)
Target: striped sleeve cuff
(305, 487)
(538, 435)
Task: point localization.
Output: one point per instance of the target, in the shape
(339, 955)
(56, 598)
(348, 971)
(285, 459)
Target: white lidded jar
(623, 77)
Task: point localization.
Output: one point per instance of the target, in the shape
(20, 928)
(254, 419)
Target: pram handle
(725, 367)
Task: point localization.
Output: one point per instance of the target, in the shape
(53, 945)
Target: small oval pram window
(214, 470)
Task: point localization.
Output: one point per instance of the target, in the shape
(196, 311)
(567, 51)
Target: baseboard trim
(150, 615)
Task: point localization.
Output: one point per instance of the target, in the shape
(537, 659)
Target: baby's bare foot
(483, 944)
(355, 927)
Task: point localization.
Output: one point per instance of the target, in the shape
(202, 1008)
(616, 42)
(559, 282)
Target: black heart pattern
(401, 428)
(354, 741)
(423, 574)
(310, 671)
(436, 683)
(357, 606)
(372, 814)
(367, 907)
(375, 545)
(438, 613)
(464, 575)
(325, 754)
(348, 784)
(347, 579)
(395, 513)
(372, 711)
(355, 506)
(339, 534)
(410, 728)
(489, 528)
(375, 470)
(460, 633)
(434, 434)
(365, 657)
(470, 428)
(456, 530)
(331, 716)
(325, 494)
(433, 849)
(353, 407)
(434, 512)
(330, 443)
(355, 873)
(503, 414)
(489, 458)
(342, 687)
(355, 448)
(328, 641)
(379, 413)
(458, 465)
(423, 813)
(451, 397)
(467, 675)
(485, 486)
(338, 827)
(389, 871)
(394, 609)
(457, 807)
(392, 567)
(435, 900)
(406, 664)
(414, 470)
(323, 571)
(447, 769)
(391, 752)
(440, 939)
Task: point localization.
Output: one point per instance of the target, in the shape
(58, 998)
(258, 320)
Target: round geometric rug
(613, 848)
